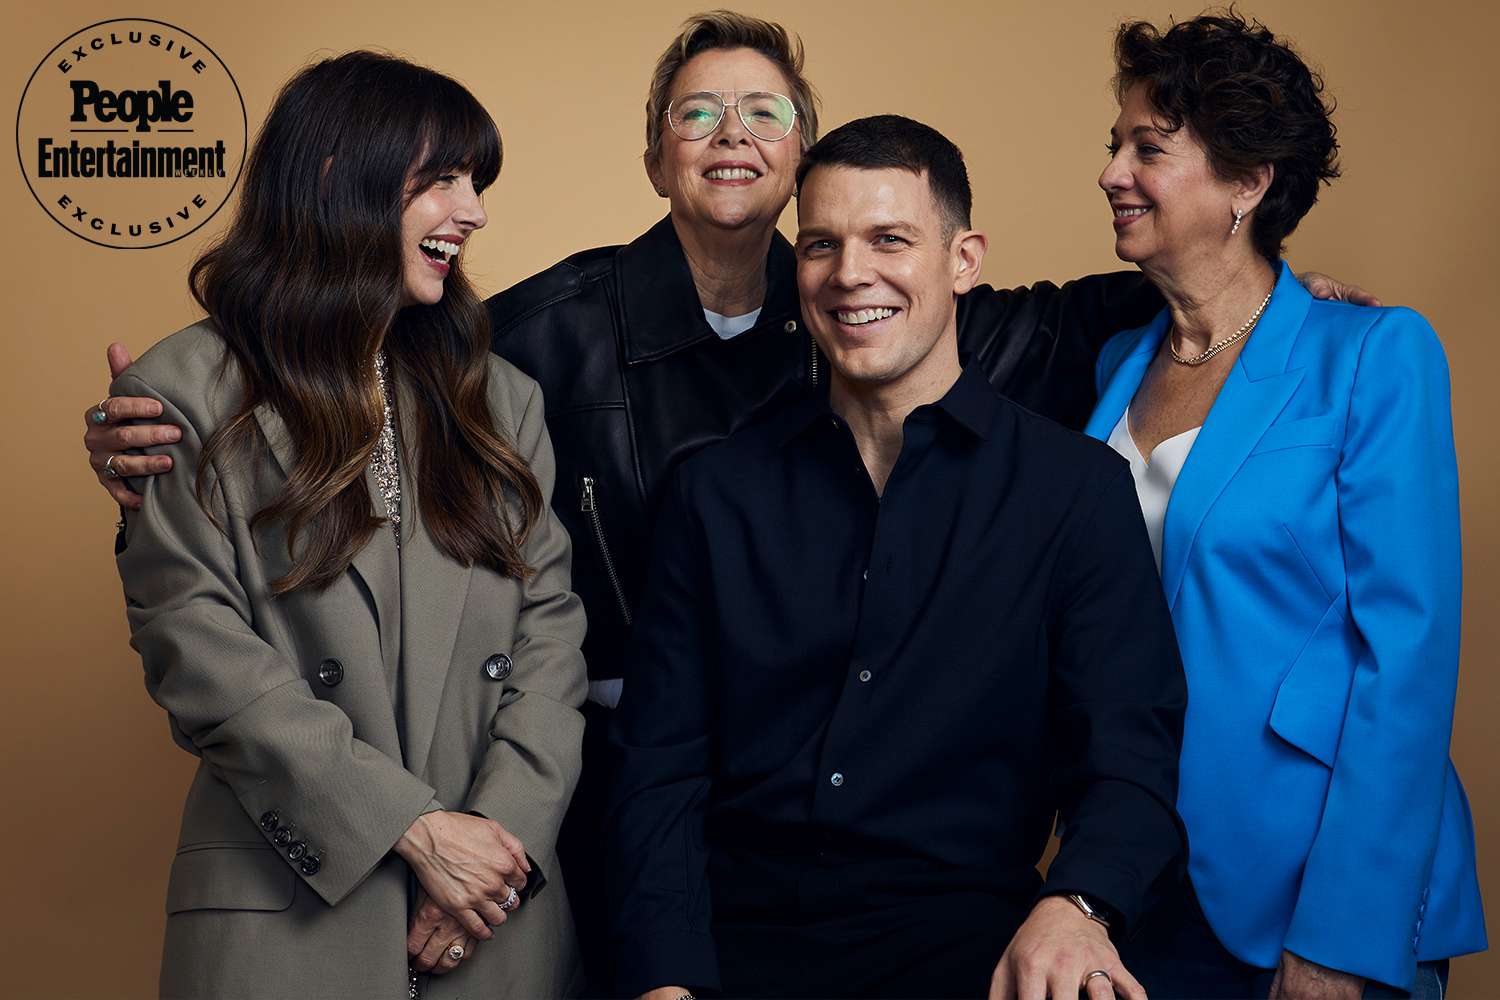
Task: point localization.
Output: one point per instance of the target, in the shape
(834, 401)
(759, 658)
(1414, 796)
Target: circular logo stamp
(131, 133)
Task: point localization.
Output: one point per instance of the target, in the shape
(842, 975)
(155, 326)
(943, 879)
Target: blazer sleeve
(1361, 898)
(1038, 344)
(246, 708)
(1116, 703)
(663, 748)
(528, 774)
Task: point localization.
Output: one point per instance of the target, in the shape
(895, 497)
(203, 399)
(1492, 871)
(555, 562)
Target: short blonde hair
(727, 29)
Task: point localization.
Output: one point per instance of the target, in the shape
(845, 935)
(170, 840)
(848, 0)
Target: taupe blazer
(314, 759)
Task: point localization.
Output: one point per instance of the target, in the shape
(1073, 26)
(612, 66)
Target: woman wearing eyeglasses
(648, 351)
(654, 349)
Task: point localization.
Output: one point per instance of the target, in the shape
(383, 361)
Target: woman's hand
(467, 865)
(108, 440)
(1298, 979)
(1053, 951)
(433, 932)
(1324, 287)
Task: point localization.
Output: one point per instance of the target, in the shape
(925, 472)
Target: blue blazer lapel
(1254, 394)
(1119, 387)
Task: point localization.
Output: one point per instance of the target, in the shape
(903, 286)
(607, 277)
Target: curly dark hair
(1248, 98)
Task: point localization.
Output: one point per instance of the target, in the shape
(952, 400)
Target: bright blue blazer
(1311, 560)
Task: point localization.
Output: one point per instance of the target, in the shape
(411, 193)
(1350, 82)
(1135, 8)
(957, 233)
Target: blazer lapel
(1126, 378)
(434, 589)
(375, 565)
(1256, 390)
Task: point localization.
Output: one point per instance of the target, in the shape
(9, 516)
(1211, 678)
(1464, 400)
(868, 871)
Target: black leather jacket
(635, 380)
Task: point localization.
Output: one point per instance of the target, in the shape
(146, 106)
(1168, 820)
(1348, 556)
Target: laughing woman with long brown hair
(357, 614)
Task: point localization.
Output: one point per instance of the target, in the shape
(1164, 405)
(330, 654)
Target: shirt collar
(661, 306)
(971, 403)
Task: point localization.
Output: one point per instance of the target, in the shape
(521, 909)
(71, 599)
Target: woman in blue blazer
(1294, 459)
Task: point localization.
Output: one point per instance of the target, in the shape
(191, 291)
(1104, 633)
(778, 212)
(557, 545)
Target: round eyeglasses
(765, 116)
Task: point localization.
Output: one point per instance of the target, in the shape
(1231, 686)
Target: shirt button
(330, 672)
(791, 326)
(865, 575)
(864, 676)
(836, 779)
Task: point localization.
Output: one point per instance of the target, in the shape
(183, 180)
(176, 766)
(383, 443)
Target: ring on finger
(109, 467)
(456, 952)
(512, 901)
(99, 414)
(1097, 972)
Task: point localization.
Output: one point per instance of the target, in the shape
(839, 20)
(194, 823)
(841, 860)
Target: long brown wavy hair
(306, 287)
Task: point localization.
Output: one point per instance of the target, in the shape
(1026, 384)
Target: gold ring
(456, 952)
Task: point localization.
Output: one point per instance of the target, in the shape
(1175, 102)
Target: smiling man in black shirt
(888, 635)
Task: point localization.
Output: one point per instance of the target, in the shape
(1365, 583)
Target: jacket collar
(661, 308)
(419, 593)
(1257, 388)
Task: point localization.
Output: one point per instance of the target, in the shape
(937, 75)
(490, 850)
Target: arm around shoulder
(241, 703)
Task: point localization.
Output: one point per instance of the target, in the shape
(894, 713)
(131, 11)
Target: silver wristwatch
(1087, 908)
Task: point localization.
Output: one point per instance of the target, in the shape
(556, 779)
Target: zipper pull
(587, 506)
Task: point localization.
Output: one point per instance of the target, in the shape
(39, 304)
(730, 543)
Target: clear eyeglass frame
(723, 104)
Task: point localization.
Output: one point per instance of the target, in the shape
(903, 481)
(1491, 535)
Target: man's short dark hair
(892, 141)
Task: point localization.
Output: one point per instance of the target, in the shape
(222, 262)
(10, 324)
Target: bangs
(457, 134)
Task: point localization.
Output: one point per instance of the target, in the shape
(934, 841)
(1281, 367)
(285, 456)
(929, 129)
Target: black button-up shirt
(921, 677)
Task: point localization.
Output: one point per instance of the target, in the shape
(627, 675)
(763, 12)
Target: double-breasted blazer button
(296, 850)
(330, 672)
(269, 820)
(311, 864)
(282, 836)
(497, 667)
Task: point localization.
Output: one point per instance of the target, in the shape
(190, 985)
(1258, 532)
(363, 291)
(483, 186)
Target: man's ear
(968, 250)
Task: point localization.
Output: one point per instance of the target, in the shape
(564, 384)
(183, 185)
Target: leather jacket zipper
(812, 361)
(590, 507)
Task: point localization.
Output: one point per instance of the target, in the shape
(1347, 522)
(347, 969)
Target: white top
(1154, 475)
(729, 327)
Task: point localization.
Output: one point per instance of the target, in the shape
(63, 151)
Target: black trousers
(580, 852)
(825, 925)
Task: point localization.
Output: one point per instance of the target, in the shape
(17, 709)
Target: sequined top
(383, 461)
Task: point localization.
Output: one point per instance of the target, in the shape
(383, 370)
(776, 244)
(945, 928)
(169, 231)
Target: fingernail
(173, 434)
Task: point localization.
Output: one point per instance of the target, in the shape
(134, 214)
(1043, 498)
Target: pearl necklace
(1238, 335)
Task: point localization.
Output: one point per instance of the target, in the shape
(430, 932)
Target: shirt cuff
(606, 692)
(655, 958)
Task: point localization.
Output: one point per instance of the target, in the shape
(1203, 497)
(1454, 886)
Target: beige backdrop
(91, 782)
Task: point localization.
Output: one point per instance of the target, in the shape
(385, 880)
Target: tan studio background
(91, 782)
